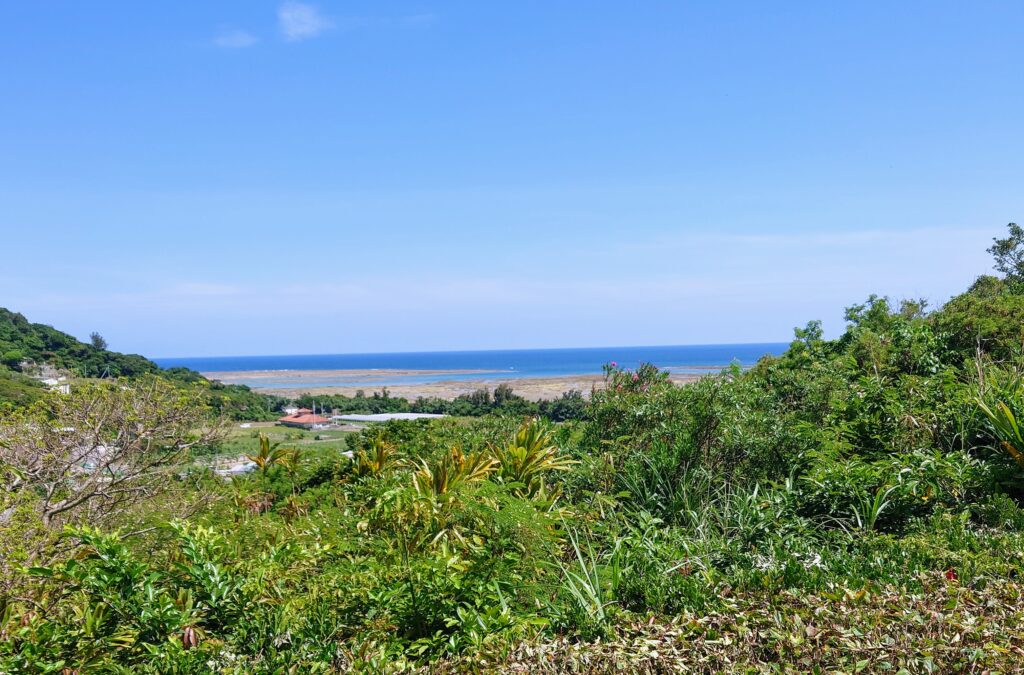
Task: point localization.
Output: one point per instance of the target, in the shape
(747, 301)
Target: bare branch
(94, 453)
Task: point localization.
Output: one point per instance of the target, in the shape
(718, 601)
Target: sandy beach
(532, 388)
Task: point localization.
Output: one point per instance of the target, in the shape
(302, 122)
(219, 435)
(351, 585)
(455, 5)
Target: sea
(282, 372)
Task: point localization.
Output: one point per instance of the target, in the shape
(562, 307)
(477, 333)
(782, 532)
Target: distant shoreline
(298, 374)
(533, 374)
(531, 387)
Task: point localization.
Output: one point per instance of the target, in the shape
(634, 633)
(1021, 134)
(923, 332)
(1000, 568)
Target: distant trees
(1009, 254)
(502, 400)
(990, 315)
(44, 344)
(12, 358)
(17, 390)
(97, 341)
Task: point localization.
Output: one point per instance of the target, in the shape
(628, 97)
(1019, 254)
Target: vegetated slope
(17, 389)
(22, 341)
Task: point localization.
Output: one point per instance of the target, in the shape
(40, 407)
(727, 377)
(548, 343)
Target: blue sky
(278, 177)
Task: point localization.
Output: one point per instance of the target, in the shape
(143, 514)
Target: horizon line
(456, 351)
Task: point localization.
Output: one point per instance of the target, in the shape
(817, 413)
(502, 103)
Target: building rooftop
(304, 418)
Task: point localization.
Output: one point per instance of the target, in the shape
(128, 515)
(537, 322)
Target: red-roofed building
(304, 419)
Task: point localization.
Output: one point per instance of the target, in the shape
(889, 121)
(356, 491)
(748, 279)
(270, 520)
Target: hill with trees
(22, 341)
(24, 346)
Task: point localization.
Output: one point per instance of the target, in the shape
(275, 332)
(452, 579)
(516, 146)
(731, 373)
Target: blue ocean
(475, 365)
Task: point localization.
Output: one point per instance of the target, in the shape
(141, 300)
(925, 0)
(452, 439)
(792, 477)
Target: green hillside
(21, 340)
(17, 389)
(24, 342)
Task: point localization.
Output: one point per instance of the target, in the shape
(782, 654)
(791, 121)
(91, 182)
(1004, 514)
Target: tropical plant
(292, 462)
(454, 469)
(292, 507)
(268, 455)
(378, 458)
(591, 602)
(528, 457)
(1006, 428)
(869, 508)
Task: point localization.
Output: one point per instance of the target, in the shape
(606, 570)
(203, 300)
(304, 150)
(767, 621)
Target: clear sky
(248, 177)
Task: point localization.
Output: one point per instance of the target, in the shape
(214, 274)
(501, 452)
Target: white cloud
(299, 21)
(235, 39)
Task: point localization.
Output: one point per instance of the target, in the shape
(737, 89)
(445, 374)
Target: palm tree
(268, 455)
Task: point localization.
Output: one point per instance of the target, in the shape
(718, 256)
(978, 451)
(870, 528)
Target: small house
(304, 419)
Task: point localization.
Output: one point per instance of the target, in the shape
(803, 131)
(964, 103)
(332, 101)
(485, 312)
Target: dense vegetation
(502, 400)
(851, 506)
(17, 390)
(22, 341)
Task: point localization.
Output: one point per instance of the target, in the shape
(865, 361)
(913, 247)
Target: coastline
(239, 376)
(531, 388)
